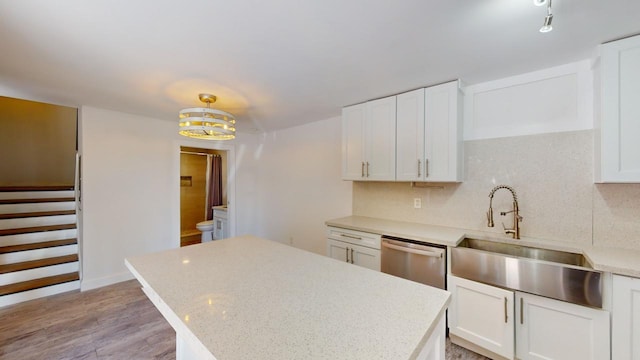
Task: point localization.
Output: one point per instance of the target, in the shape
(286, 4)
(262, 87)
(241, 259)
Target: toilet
(207, 230)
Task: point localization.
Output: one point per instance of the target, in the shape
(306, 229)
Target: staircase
(38, 243)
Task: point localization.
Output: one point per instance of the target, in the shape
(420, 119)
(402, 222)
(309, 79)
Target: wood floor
(113, 322)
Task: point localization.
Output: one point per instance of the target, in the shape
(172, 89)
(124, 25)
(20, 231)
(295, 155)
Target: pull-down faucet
(515, 231)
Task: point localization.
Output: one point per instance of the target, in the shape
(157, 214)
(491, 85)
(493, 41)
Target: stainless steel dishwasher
(413, 260)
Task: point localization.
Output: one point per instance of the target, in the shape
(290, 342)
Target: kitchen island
(250, 298)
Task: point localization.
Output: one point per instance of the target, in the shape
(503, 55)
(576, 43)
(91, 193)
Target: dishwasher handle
(433, 253)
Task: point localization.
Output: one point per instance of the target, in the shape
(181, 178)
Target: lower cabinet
(355, 247)
(482, 315)
(552, 329)
(625, 333)
(511, 324)
(355, 254)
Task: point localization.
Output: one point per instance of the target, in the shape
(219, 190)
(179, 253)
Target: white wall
(126, 182)
(299, 184)
(287, 183)
(130, 190)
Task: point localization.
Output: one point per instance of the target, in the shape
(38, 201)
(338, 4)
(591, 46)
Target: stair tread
(37, 245)
(38, 283)
(36, 214)
(36, 201)
(34, 229)
(36, 188)
(33, 264)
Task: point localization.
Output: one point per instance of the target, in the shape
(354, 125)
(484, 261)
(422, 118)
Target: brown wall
(192, 198)
(37, 143)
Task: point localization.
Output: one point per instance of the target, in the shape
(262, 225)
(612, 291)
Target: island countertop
(248, 298)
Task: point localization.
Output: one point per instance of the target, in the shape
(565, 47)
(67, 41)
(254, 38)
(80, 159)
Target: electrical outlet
(417, 203)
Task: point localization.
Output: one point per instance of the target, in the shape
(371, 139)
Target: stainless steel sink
(556, 274)
(561, 257)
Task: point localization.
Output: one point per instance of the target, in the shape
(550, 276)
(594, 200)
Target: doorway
(204, 192)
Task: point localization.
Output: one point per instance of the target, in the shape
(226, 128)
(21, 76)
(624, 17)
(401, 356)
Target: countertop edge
(182, 331)
(427, 335)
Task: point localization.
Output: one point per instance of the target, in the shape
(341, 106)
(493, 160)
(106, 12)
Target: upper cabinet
(617, 157)
(429, 134)
(415, 136)
(369, 141)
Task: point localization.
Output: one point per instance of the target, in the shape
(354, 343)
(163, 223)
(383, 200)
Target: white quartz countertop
(617, 261)
(434, 234)
(250, 298)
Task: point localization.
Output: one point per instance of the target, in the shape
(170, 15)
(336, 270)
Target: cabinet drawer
(222, 214)
(354, 237)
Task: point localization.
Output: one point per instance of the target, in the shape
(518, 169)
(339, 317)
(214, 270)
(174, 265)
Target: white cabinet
(625, 332)
(354, 254)
(355, 247)
(482, 315)
(369, 140)
(617, 147)
(410, 136)
(552, 329)
(429, 134)
(531, 327)
(220, 224)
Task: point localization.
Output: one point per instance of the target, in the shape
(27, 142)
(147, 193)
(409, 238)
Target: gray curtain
(215, 185)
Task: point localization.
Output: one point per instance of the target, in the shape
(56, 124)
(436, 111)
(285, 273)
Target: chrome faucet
(515, 231)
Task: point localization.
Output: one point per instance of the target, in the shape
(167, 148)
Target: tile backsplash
(552, 175)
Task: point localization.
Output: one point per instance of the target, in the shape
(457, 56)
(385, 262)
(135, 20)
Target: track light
(546, 27)
(539, 2)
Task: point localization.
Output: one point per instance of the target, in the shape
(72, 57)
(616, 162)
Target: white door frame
(231, 181)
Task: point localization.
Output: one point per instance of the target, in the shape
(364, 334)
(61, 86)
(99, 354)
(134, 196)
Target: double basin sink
(555, 274)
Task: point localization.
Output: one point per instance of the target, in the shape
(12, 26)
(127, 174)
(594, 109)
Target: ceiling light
(207, 123)
(546, 27)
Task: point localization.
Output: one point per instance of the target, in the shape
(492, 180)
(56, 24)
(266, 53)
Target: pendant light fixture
(207, 123)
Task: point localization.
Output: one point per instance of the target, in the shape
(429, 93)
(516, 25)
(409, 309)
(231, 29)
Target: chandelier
(207, 123)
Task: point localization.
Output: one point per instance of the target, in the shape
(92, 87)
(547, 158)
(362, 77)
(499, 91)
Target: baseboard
(90, 284)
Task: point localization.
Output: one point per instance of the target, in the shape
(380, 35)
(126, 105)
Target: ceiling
(281, 63)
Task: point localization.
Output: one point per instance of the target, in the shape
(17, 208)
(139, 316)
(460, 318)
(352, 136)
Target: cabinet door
(353, 118)
(620, 110)
(483, 315)
(443, 133)
(380, 139)
(410, 136)
(337, 250)
(625, 332)
(365, 257)
(355, 254)
(551, 329)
